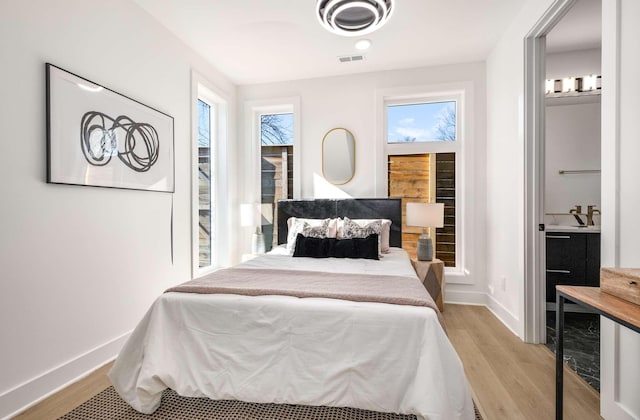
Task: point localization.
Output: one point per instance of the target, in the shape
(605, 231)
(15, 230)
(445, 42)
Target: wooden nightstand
(431, 273)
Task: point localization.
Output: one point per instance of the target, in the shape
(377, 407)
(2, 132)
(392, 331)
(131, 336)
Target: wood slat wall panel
(446, 193)
(204, 207)
(409, 179)
(272, 185)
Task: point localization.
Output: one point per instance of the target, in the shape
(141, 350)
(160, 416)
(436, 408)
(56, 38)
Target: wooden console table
(431, 274)
(609, 306)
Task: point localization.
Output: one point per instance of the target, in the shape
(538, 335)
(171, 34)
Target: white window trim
(202, 89)
(253, 111)
(462, 93)
(252, 146)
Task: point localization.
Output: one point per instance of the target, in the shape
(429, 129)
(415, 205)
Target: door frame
(534, 138)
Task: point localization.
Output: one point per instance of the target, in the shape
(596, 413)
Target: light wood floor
(69, 398)
(511, 380)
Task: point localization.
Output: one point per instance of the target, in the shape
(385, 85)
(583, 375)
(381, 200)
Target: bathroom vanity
(573, 257)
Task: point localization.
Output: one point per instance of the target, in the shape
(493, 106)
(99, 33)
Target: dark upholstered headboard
(353, 208)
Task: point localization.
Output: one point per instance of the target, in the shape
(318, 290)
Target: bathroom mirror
(338, 156)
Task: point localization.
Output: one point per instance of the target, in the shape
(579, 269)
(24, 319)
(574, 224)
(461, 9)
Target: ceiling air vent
(348, 58)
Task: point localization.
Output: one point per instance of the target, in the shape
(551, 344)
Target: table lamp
(425, 215)
(249, 217)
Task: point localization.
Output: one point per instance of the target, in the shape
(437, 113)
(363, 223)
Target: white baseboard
(37, 389)
(459, 297)
(456, 297)
(504, 315)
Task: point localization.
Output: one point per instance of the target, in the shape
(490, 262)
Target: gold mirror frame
(353, 141)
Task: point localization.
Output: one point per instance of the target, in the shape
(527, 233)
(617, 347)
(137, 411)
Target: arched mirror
(338, 156)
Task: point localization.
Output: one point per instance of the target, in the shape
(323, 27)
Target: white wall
(350, 102)
(505, 168)
(573, 63)
(572, 138)
(572, 142)
(81, 265)
(620, 368)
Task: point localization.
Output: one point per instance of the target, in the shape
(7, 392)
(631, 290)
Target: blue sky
(279, 131)
(419, 121)
(204, 124)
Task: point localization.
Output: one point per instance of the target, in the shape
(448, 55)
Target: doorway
(562, 137)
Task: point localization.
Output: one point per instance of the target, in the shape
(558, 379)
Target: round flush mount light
(363, 44)
(353, 17)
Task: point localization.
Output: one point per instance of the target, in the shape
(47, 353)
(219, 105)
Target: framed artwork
(98, 137)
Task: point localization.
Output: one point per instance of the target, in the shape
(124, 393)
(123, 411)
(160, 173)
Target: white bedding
(395, 263)
(313, 351)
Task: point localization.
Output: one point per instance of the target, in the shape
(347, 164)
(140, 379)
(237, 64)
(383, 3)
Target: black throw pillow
(338, 248)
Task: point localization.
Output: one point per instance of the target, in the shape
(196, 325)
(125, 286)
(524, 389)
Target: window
(422, 122)
(205, 185)
(274, 125)
(276, 169)
(209, 187)
(422, 149)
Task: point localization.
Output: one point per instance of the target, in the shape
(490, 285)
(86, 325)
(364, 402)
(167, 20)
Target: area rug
(108, 405)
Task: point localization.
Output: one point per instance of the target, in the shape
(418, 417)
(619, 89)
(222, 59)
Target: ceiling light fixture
(363, 44)
(353, 17)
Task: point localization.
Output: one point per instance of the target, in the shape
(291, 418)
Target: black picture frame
(99, 137)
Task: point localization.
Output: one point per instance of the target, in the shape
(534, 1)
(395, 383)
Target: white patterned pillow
(320, 231)
(351, 229)
(385, 233)
(297, 225)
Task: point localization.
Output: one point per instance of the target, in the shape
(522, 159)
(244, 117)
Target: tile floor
(581, 344)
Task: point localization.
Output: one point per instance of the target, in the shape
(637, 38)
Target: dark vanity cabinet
(573, 258)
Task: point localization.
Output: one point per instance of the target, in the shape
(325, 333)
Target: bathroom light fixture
(573, 86)
(363, 44)
(550, 86)
(589, 83)
(353, 17)
(569, 84)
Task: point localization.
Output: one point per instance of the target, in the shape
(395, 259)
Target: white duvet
(312, 351)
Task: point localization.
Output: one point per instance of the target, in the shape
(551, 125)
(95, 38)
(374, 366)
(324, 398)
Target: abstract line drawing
(137, 145)
(98, 137)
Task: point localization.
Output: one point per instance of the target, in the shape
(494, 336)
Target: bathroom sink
(572, 228)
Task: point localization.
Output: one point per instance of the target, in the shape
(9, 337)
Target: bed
(321, 350)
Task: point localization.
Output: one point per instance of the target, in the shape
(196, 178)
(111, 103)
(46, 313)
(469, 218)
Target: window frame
(252, 185)
(260, 113)
(213, 111)
(462, 94)
(282, 111)
(203, 90)
(420, 101)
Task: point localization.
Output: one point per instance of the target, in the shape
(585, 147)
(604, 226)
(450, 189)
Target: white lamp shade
(425, 214)
(248, 214)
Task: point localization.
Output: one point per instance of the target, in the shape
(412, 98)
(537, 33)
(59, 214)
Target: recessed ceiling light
(353, 17)
(363, 44)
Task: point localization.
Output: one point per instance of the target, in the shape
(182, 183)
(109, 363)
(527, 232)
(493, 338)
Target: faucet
(576, 212)
(590, 212)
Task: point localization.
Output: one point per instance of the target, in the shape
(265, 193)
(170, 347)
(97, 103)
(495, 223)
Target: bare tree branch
(446, 126)
(204, 124)
(272, 130)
